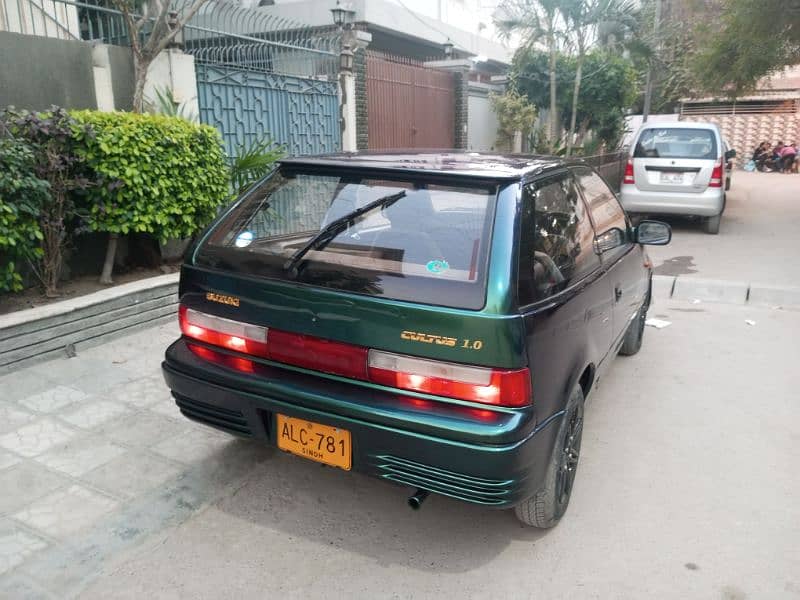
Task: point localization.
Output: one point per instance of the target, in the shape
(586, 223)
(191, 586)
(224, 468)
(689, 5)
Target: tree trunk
(108, 265)
(553, 109)
(140, 74)
(576, 90)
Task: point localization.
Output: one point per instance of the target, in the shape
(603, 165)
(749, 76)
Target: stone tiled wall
(462, 109)
(744, 132)
(360, 71)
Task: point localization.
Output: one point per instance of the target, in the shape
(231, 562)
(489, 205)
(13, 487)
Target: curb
(724, 291)
(56, 330)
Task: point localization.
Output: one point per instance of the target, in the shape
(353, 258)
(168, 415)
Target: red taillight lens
(716, 175)
(499, 387)
(217, 331)
(318, 354)
(628, 177)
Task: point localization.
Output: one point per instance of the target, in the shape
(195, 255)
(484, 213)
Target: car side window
(606, 210)
(556, 244)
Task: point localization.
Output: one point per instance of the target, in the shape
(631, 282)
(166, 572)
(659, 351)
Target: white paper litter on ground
(658, 323)
(696, 301)
(750, 321)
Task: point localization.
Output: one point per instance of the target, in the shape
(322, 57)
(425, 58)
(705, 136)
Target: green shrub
(155, 174)
(52, 138)
(21, 197)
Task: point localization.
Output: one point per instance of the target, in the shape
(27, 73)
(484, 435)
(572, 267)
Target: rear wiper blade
(332, 229)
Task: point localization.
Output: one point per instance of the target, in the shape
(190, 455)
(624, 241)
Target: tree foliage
(22, 195)
(53, 137)
(608, 89)
(749, 40)
(515, 113)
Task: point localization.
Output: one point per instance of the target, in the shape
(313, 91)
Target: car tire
(632, 341)
(545, 508)
(711, 224)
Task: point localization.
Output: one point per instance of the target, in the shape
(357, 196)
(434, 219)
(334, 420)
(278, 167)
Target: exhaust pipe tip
(417, 498)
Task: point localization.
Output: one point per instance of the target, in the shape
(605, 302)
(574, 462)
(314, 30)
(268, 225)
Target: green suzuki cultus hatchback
(431, 319)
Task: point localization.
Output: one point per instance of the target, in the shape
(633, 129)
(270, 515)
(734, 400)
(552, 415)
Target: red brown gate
(408, 105)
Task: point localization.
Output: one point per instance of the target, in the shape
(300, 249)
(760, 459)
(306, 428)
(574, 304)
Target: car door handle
(617, 293)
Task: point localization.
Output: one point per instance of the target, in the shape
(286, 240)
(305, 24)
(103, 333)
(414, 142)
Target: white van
(677, 168)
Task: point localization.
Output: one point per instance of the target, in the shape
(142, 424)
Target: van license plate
(671, 177)
(322, 443)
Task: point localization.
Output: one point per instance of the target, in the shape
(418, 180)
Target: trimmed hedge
(154, 173)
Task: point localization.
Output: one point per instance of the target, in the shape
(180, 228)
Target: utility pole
(648, 90)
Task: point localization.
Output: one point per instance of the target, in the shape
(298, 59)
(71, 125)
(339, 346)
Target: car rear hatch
(409, 297)
(673, 159)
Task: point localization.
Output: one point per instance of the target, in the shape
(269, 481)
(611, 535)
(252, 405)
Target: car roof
(450, 162)
(678, 124)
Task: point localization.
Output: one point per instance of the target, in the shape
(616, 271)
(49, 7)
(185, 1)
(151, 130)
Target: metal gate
(408, 105)
(246, 106)
(260, 77)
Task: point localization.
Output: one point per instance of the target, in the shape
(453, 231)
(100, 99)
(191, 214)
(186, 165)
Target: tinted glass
(430, 246)
(673, 142)
(603, 204)
(556, 243)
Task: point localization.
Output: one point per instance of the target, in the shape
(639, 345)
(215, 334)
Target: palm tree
(536, 21)
(589, 22)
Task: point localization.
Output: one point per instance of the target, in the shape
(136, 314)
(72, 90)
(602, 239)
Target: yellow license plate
(322, 443)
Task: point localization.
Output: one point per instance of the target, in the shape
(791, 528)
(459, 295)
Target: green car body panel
(490, 455)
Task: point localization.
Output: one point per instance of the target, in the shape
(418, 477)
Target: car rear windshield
(428, 245)
(673, 142)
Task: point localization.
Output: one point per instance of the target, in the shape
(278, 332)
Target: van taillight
(628, 177)
(716, 175)
(498, 387)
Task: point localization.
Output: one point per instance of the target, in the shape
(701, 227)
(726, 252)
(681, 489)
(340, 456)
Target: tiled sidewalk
(94, 455)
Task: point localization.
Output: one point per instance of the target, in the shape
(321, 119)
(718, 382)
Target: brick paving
(94, 455)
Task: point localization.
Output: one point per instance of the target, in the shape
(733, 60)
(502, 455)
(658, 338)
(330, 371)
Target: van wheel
(711, 224)
(545, 509)
(635, 333)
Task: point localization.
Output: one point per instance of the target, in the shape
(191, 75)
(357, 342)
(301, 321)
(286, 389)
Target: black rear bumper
(496, 460)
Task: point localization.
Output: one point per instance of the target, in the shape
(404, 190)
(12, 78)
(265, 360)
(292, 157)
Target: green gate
(259, 77)
(246, 105)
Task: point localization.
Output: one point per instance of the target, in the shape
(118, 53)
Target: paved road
(759, 238)
(686, 489)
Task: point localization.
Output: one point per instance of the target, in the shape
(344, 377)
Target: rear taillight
(242, 337)
(478, 384)
(498, 387)
(318, 354)
(628, 177)
(716, 175)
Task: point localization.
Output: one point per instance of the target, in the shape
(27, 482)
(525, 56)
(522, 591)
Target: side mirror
(608, 240)
(730, 154)
(653, 233)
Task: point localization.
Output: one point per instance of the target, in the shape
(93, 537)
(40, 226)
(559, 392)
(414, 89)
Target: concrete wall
(482, 128)
(37, 72)
(174, 70)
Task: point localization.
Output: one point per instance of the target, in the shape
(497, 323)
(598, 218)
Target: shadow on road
(367, 516)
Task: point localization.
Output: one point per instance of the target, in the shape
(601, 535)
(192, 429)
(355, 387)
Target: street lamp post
(343, 19)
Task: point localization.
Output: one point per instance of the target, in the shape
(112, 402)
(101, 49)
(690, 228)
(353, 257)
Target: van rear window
(674, 142)
(428, 244)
